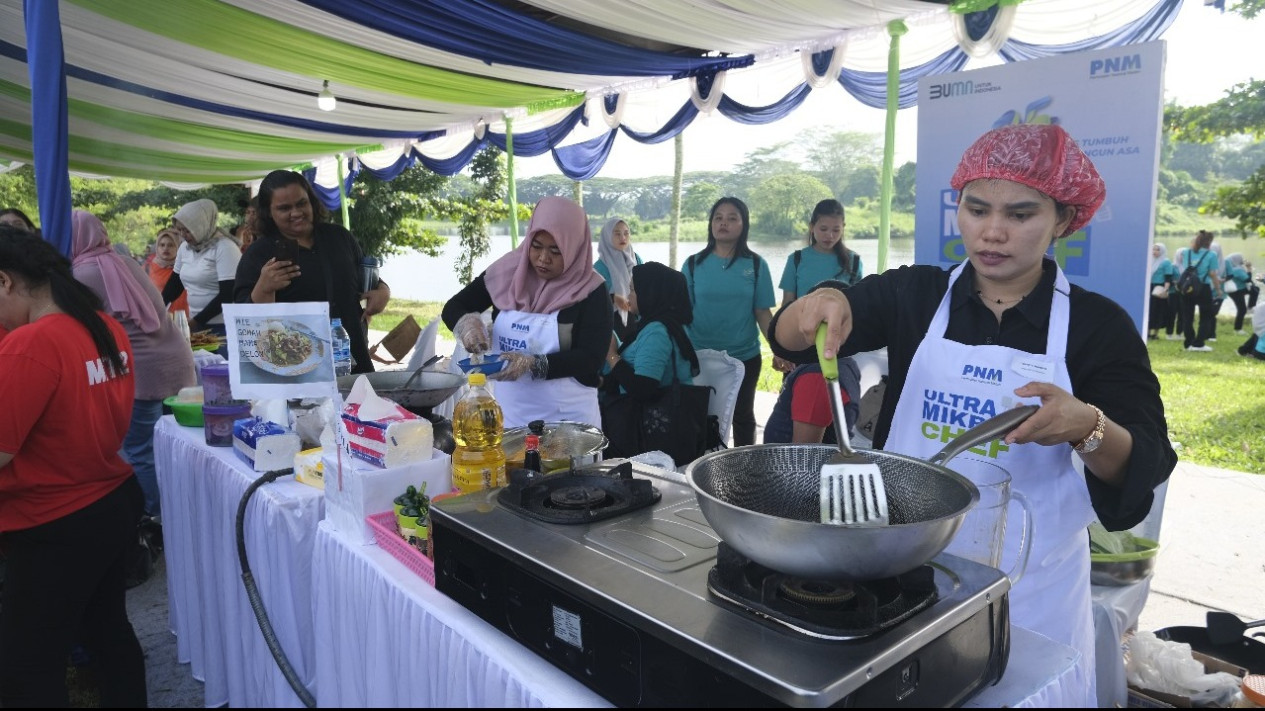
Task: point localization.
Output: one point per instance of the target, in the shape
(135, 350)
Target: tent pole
(895, 28)
(46, 69)
(510, 186)
(342, 195)
(674, 235)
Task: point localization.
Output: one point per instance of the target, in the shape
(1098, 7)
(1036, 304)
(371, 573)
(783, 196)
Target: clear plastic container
(478, 462)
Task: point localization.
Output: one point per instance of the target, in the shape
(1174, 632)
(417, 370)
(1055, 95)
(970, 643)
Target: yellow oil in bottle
(478, 462)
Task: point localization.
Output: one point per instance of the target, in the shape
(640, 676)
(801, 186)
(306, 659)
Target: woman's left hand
(621, 302)
(375, 301)
(518, 365)
(1062, 418)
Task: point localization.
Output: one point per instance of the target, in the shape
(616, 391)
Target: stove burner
(578, 497)
(825, 609)
(573, 497)
(816, 592)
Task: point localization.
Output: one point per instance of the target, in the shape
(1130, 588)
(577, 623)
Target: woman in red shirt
(69, 503)
(160, 266)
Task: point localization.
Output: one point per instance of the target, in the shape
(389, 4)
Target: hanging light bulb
(326, 100)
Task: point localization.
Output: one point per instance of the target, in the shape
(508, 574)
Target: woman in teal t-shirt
(658, 349)
(1162, 275)
(824, 258)
(732, 293)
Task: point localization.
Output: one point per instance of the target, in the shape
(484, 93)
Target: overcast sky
(1208, 53)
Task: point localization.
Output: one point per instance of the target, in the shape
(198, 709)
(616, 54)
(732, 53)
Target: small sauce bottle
(531, 459)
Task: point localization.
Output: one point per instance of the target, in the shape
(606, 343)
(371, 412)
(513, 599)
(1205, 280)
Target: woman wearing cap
(551, 319)
(1010, 313)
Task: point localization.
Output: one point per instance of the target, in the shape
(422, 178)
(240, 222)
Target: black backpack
(1189, 283)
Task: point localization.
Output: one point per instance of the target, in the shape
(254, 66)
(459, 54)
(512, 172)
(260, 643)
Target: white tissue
(383, 433)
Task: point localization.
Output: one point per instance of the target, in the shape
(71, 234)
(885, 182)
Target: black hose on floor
(257, 602)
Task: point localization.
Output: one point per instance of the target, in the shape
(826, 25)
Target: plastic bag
(1168, 667)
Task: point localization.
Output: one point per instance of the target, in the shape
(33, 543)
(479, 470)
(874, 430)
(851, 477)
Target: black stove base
(630, 667)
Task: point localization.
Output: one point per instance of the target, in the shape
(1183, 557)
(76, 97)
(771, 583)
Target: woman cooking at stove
(551, 319)
(1010, 314)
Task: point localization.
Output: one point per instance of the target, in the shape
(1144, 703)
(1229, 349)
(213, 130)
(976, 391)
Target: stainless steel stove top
(647, 570)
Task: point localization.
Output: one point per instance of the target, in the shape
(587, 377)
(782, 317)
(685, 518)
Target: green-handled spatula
(852, 491)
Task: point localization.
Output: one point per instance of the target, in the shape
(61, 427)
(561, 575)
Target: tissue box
(394, 440)
(266, 445)
(367, 490)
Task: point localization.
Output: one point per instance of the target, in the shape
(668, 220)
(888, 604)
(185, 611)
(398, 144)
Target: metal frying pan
(764, 500)
(410, 389)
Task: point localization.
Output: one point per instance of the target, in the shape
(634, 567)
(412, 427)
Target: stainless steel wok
(764, 500)
(428, 389)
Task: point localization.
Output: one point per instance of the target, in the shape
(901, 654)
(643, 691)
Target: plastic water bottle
(341, 347)
(478, 462)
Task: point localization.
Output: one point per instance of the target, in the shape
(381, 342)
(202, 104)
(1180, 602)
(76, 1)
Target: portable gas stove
(648, 607)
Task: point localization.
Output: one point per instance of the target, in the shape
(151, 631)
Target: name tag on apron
(1034, 369)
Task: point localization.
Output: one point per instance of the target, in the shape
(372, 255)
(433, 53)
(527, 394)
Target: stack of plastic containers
(219, 409)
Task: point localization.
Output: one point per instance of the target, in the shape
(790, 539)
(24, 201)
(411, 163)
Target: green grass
(1214, 402)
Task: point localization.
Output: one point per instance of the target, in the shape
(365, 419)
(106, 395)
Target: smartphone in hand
(284, 250)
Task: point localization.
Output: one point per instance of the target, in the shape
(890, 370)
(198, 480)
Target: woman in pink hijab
(1006, 328)
(162, 359)
(551, 319)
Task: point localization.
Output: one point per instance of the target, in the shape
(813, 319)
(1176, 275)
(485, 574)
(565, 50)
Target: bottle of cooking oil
(478, 462)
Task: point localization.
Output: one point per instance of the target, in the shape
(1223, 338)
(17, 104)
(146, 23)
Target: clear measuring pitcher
(982, 537)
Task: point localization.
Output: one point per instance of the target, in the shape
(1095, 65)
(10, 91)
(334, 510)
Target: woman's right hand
(797, 326)
(471, 332)
(276, 275)
(621, 302)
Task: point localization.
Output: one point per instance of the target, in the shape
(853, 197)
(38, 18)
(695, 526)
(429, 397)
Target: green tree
(760, 165)
(785, 203)
(862, 183)
(698, 200)
(903, 184)
(836, 157)
(1241, 110)
(386, 215)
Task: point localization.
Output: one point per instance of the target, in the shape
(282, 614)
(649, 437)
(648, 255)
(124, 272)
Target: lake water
(417, 277)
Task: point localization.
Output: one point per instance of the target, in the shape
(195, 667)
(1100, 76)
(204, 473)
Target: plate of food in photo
(288, 348)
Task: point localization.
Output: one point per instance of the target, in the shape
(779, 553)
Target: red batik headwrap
(1043, 157)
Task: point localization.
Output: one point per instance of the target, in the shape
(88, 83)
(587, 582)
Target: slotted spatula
(1226, 627)
(852, 491)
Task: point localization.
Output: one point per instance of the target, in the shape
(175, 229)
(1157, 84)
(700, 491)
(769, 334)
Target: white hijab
(200, 217)
(619, 262)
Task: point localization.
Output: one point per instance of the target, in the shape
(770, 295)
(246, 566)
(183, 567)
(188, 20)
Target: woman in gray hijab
(616, 259)
(205, 267)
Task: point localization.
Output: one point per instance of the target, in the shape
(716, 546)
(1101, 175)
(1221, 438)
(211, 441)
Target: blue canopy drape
(495, 34)
(49, 120)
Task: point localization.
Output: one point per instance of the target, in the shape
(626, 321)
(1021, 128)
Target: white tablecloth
(385, 638)
(209, 611)
(361, 629)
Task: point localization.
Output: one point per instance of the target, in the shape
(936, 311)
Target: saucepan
(764, 501)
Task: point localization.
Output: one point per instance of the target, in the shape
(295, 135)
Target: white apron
(524, 400)
(952, 387)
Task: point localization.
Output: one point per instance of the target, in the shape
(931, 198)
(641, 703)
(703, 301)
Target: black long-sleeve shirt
(584, 329)
(329, 273)
(1106, 360)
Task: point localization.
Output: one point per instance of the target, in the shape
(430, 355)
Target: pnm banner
(1110, 101)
